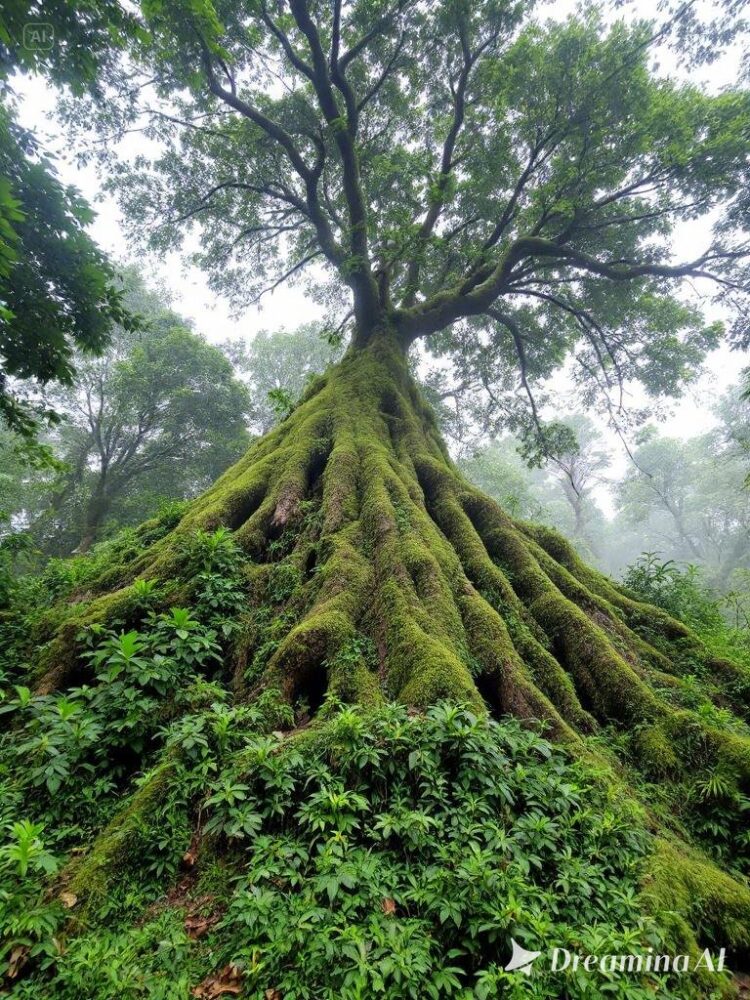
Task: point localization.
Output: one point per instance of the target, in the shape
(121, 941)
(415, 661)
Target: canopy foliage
(505, 189)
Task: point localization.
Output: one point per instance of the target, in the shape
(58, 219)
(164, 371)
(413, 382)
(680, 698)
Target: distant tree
(277, 367)
(158, 416)
(688, 498)
(559, 490)
(733, 411)
(501, 472)
(578, 471)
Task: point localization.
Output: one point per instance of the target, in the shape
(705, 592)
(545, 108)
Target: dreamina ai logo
(521, 960)
(563, 960)
(38, 36)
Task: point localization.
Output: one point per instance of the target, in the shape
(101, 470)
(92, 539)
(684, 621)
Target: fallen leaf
(273, 995)
(68, 900)
(197, 925)
(191, 854)
(389, 907)
(226, 980)
(18, 958)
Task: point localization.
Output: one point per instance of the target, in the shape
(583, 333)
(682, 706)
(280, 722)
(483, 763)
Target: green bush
(376, 854)
(679, 590)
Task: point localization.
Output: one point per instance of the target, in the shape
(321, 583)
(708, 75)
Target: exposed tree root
(391, 545)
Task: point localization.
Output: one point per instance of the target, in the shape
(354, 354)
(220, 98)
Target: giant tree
(462, 178)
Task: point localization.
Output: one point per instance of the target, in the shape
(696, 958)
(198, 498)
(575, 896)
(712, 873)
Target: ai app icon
(38, 36)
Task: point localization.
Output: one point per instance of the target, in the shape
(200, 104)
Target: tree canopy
(504, 189)
(58, 291)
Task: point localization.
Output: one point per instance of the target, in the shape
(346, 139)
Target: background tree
(560, 493)
(158, 416)
(579, 469)
(277, 367)
(688, 497)
(498, 469)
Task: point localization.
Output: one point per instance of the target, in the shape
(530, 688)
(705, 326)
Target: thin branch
(286, 275)
(510, 324)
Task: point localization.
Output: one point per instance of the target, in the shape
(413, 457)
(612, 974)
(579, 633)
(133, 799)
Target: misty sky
(288, 307)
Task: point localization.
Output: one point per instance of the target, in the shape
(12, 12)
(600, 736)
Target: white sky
(288, 307)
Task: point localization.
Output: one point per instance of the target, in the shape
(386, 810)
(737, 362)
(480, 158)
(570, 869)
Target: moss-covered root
(392, 546)
(703, 903)
(408, 583)
(458, 599)
(119, 845)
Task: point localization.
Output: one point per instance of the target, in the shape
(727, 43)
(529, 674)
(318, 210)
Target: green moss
(705, 745)
(656, 753)
(116, 850)
(504, 679)
(600, 674)
(706, 906)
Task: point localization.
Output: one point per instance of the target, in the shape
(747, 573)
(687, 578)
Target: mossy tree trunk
(390, 549)
(391, 542)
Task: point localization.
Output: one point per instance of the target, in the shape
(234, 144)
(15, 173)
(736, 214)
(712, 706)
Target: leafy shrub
(376, 854)
(74, 748)
(396, 855)
(679, 590)
(214, 564)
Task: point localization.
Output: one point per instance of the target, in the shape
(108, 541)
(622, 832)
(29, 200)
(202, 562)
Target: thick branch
(444, 309)
(359, 269)
(446, 166)
(276, 132)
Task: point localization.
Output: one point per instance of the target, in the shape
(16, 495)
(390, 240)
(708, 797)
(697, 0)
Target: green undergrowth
(188, 809)
(35, 601)
(704, 800)
(375, 853)
(682, 591)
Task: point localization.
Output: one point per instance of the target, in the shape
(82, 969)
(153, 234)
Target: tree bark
(96, 510)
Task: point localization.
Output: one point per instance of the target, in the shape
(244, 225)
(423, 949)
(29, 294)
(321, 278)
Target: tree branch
(359, 269)
(468, 300)
(275, 131)
(510, 324)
